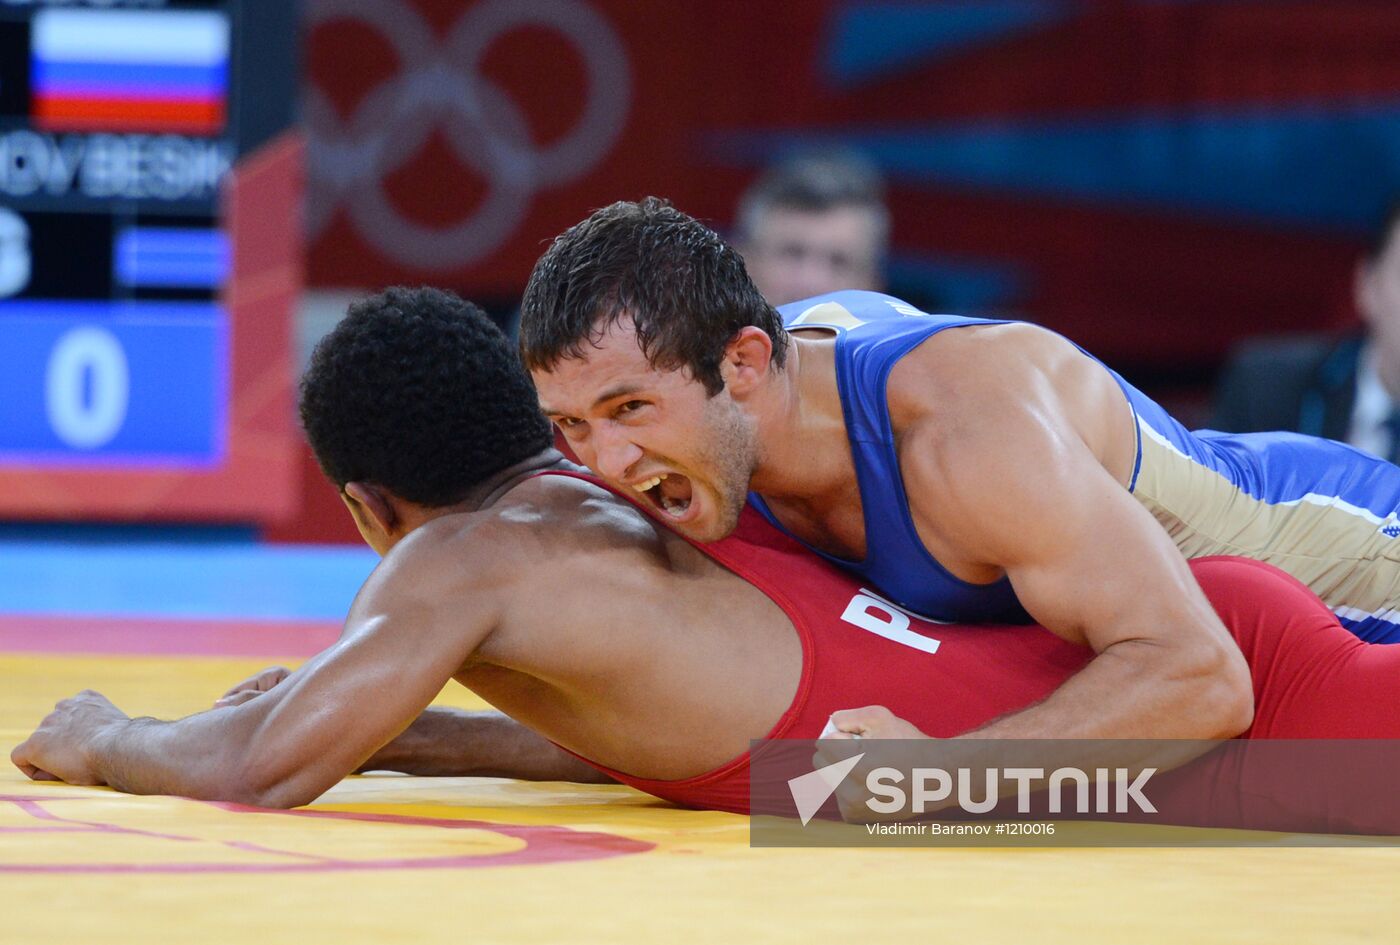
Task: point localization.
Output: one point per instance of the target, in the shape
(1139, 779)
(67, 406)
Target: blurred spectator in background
(1346, 388)
(814, 223)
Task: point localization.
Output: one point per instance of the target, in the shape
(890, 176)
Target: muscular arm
(413, 625)
(1016, 486)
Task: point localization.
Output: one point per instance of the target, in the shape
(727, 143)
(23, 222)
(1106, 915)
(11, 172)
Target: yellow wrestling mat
(385, 859)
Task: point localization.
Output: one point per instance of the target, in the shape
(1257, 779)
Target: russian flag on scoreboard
(130, 70)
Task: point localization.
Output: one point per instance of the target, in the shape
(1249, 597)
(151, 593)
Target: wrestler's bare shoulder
(968, 382)
(963, 368)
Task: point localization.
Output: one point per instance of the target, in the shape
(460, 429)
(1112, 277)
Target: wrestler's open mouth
(669, 492)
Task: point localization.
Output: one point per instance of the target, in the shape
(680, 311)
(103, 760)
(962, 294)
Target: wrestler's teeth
(651, 483)
(674, 507)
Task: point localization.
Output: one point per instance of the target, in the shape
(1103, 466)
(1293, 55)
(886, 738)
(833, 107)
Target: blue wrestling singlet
(1323, 511)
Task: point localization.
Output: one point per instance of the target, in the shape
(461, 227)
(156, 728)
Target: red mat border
(138, 636)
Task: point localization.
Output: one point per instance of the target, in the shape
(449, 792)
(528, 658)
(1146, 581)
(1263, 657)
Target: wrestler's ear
(374, 513)
(747, 358)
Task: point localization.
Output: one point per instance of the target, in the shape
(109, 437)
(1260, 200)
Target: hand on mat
(253, 686)
(60, 748)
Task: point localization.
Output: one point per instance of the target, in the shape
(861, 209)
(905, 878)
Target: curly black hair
(417, 391)
(685, 289)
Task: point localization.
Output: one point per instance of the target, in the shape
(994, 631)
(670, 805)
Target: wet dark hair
(684, 288)
(417, 391)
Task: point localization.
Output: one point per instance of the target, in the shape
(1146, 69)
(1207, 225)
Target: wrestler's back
(611, 619)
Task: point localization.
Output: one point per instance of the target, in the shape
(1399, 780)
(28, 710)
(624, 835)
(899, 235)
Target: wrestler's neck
(486, 493)
(804, 452)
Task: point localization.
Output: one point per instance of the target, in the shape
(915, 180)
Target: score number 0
(86, 387)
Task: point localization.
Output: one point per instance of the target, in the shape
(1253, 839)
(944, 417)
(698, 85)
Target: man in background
(1345, 388)
(812, 224)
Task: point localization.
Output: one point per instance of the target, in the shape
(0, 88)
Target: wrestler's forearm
(1132, 692)
(446, 742)
(193, 757)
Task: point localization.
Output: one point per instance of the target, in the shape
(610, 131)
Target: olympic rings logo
(440, 86)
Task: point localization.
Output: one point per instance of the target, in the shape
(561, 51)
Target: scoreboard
(122, 128)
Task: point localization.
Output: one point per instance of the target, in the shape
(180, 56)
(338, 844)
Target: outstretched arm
(414, 624)
(444, 742)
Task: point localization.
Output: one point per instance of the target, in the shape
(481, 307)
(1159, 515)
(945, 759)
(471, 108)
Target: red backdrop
(1155, 178)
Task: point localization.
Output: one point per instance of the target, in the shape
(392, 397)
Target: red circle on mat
(543, 844)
